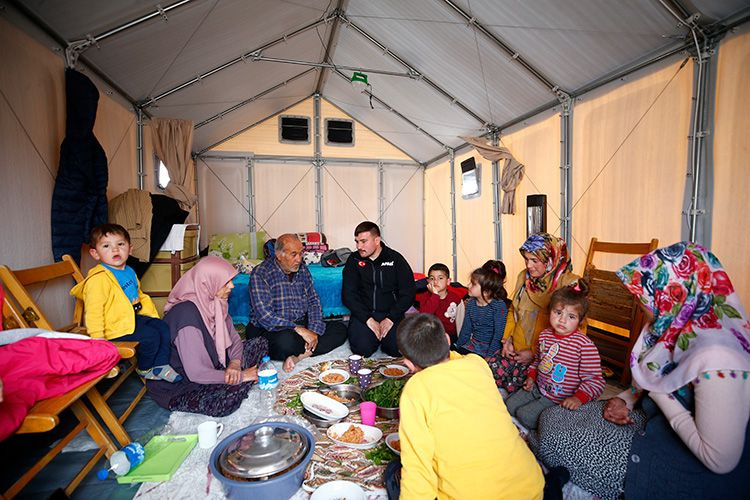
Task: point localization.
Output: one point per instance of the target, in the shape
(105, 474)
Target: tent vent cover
(294, 129)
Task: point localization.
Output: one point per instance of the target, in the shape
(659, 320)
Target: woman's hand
(233, 374)
(524, 356)
(571, 403)
(250, 375)
(508, 350)
(528, 384)
(617, 412)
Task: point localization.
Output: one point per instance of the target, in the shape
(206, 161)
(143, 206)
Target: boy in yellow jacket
(457, 438)
(117, 309)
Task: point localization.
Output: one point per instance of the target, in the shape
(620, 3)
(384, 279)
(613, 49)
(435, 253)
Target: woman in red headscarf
(217, 366)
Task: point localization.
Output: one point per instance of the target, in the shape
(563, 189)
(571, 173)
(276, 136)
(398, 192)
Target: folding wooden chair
(17, 284)
(45, 416)
(614, 318)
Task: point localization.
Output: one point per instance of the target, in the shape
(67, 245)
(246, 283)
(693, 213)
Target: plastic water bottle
(122, 461)
(268, 381)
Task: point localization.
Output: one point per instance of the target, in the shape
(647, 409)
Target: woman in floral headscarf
(217, 367)
(547, 269)
(694, 359)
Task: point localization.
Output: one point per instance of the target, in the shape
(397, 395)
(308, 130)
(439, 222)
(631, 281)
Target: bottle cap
(102, 474)
(265, 358)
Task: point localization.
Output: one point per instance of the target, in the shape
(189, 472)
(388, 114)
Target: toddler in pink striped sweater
(566, 370)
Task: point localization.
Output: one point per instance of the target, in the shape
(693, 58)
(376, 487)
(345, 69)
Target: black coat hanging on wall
(79, 201)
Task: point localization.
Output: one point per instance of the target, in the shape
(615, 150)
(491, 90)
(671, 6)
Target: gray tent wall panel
(232, 123)
(550, 33)
(714, 11)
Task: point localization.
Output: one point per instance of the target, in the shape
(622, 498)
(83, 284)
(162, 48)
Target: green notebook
(164, 455)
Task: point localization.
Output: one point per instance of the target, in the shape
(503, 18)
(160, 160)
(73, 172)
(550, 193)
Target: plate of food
(334, 376)
(323, 406)
(393, 371)
(346, 394)
(356, 436)
(393, 442)
(336, 490)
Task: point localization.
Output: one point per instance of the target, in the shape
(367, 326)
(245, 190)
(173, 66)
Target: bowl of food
(361, 437)
(323, 406)
(336, 490)
(394, 371)
(393, 442)
(347, 394)
(334, 376)
(386, 395)
(317, 421)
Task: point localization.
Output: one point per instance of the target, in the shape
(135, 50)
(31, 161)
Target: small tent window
(340, 132)
(162, 175)
(294, 129)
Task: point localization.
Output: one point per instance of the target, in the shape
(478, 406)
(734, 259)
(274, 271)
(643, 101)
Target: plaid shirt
(277, 303)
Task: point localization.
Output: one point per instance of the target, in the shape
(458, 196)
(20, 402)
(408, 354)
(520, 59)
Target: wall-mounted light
(359, 81)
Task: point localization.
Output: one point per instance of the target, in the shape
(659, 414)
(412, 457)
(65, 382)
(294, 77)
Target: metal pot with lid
(263, 452)
(263, 461)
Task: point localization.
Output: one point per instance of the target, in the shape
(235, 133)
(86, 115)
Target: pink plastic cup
(367, 412)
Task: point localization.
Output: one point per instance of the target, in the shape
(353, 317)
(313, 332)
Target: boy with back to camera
(457, 438)
(117, 309)
(441, 301)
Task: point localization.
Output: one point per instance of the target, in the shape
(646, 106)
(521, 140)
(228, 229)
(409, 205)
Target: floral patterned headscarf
(554, 252)
(699, 323)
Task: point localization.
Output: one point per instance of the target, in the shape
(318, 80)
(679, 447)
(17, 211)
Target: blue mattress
(327, 282)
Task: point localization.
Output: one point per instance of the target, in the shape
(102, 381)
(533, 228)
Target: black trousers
(285, 343)
(364, 342)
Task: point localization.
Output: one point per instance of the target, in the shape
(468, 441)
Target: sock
(167, 373)
(148, 374)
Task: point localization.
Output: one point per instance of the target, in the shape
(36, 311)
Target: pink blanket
(39, 368)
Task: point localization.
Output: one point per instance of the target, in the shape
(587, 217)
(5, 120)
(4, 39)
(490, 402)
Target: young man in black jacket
(378, 289)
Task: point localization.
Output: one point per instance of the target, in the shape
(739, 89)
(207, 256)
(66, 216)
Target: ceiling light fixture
(359, 81)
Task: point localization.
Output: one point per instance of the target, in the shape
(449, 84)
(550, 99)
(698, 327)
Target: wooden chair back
(614, 318)
(17, 284)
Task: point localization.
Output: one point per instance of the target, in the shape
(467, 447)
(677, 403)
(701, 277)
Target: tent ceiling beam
(218, 155)
(243, 58)
(74, 48)
(417, 74)
(390, 108)
(261, 57)
(239, 105)
(561, 95)
(332, 37)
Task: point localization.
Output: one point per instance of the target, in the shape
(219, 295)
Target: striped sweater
(567, 366)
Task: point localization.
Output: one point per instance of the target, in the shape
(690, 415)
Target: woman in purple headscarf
(218, 368)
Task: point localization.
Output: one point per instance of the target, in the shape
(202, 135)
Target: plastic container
(276, 487)
(268, 383)
(122, 461)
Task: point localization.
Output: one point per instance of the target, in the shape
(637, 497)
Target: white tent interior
(599, 100)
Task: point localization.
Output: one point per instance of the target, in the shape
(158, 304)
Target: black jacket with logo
(384, 285)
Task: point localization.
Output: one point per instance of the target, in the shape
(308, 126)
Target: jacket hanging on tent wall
(79, 200)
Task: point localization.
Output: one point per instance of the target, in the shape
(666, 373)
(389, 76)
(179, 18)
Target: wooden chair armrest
(126, 349)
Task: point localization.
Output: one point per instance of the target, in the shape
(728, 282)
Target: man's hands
(309, 336)
(250, 374)
(617, 412)
(380, 328)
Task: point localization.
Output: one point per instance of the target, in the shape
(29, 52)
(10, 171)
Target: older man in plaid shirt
(285, 308)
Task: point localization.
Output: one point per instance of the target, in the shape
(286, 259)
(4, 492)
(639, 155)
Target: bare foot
(293, 360)
(289, 363)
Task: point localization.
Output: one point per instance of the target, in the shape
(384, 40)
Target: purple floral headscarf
(699, 322)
